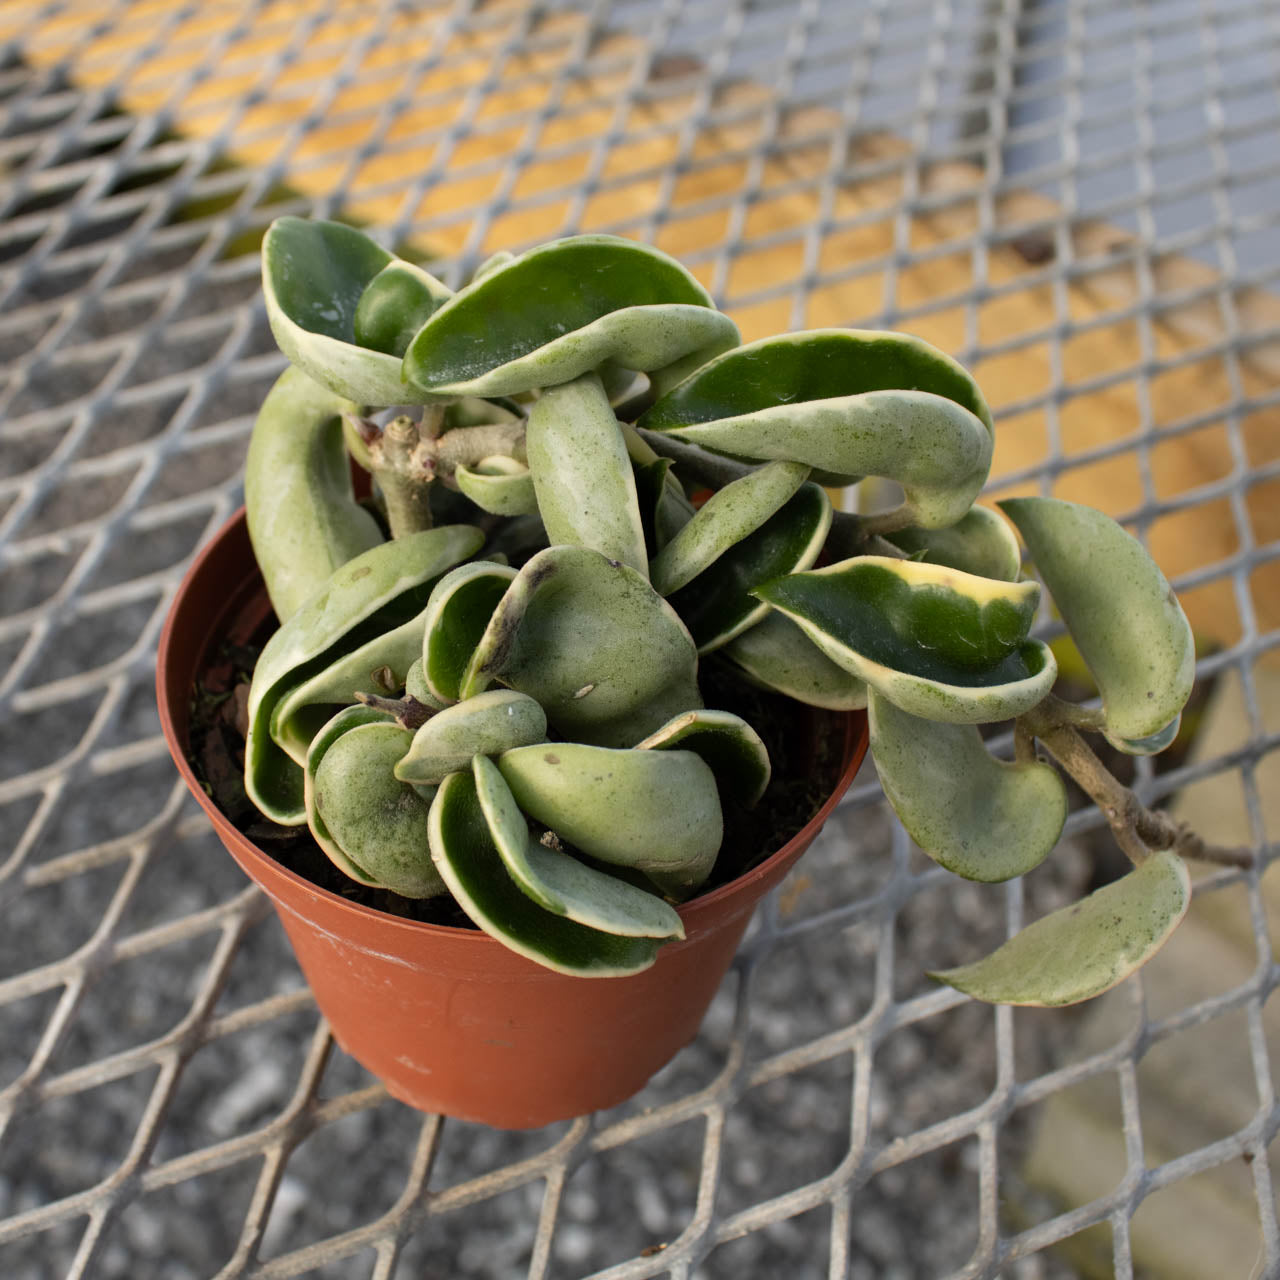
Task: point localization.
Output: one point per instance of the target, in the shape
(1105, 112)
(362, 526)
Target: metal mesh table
(1077, 198)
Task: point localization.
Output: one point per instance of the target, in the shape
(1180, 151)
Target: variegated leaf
(458, 612)
(562, 310)
(395, 304)
(1085, 949)
(314, 274)
(589, 639)
(940, 644)
(561, 883)
(304, 521)
(977, 816)
(499, 485)
(719, 603)
(469, 862)
(581, 473)
(981, 543)
(776, 654)
(656, 811)
(725, 519)
(368, 596)
(379, 823)
(346, 719)
(484, 725)
(1120, 611)
(731, 748)
(848, 403)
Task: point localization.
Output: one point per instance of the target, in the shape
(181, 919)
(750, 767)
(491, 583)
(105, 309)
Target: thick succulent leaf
(499, 485)
(561, 883)
(484, 725)
(980, 817)
(981, 543)
(304, 521)
(582, 475)
(1085, 949)
(594, 644)
(395, 304)
(416, 687)
(1153, 743)
(664, 507)
(719, 603)
(469, 862)
(347, 718)
(379, 823)
(1119, 609)
(562, 310)
(938, 643)
(313, 276)
(849, 403)
(731, 748)
(457, 614)
(656, 811)
(776, 654)
(374, 593)
(725, 519)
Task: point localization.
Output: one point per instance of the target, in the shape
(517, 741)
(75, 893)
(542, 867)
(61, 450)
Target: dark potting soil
(804, 747)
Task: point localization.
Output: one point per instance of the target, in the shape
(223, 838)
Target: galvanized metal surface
(171, 1102)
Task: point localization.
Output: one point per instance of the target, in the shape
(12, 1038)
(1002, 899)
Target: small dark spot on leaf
(362, 572)
(551, 758)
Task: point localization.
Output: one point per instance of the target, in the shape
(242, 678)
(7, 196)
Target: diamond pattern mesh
(1076, 198)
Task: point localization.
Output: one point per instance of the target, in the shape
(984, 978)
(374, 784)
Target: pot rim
(693, 912)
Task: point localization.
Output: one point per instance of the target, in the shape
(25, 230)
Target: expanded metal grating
(1079, 198)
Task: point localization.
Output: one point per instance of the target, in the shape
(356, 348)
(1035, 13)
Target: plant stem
(1137, 829)
(465, 446)
(408, 495)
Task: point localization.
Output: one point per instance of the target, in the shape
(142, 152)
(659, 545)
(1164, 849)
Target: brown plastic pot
(450, 1020)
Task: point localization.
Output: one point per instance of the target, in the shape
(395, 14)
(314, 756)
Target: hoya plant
(486, 681)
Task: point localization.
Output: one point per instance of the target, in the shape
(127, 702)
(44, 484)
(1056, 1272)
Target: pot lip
(694, 912)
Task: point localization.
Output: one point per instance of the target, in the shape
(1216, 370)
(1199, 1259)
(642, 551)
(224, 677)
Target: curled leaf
(940, 644)
(484, 725)
(980, 543)
(656, 811)
(977, 816)
(581, 473)
(848, 403)
(1085, 949)
(314, 275)
(346, 719)
(588, 638)
(776, 654)
(726, 518)
(378, 823)
(562, 883)
(720, 603)
(562, 310)
(395, 304)
(664, 508)
(499, 485)
(1120, 611)
(471, 867)
(732, 749)
(375, 593)
(304, 521)
(458, 612)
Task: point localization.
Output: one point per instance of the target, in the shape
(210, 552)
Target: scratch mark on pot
(414, 1066)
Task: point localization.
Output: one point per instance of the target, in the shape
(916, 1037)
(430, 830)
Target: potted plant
(529, 680)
